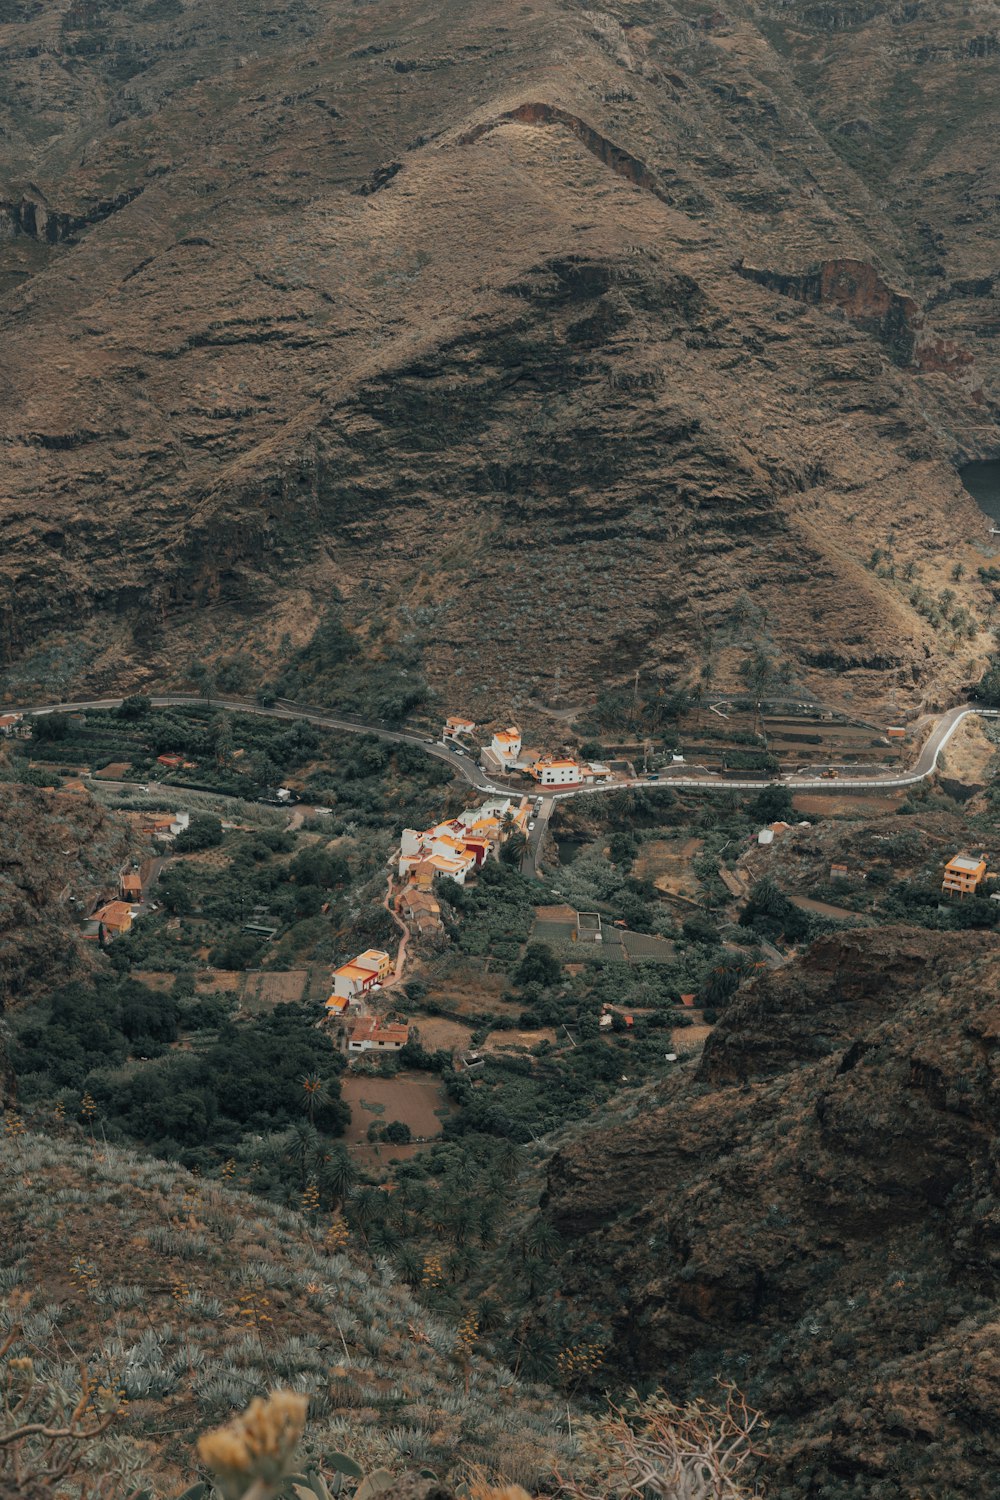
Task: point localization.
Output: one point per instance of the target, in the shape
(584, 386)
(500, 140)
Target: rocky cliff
(520, 341)
(814, 1211)
(58, 852)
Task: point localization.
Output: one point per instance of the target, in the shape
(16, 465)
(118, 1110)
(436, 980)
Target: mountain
(812, 1211)
(505, 346)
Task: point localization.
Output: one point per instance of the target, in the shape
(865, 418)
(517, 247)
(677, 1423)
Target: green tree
(538, 966)
(203, 832)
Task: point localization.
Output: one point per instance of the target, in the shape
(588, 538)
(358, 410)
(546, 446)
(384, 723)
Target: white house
(10, 724)
(506, 747)
(552, 770)
(357, 977)
(458, 726)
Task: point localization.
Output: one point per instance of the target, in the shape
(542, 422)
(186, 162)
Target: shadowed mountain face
(520, 337)
(816, 1208)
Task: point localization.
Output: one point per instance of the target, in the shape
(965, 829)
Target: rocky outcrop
(856, 290)
(54, 846)
(816, 1207)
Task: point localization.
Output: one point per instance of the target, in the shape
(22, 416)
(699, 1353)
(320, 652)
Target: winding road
(926, 764)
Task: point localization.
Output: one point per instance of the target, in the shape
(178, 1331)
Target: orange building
(115, 918)
(964, 874)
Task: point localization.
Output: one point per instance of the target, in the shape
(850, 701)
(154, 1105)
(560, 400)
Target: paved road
(925, 766)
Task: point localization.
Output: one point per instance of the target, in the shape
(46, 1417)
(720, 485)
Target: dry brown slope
(450, 315)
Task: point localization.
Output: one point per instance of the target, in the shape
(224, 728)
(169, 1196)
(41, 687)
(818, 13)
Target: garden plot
(415, 1099)
(668, 863)
(264, 991)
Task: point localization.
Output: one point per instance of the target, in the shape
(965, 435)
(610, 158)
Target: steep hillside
(56, 849)
(515, 342)
(188, 1299)
(814, 1211)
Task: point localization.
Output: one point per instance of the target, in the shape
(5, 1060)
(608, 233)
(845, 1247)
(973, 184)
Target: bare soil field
(438, 1033)
(824, 909)
(153, 980)
(667, 863)
(520, 1041)
(687, 1039)
(219, 981)
(417, 1099)
(114, 772)
(469, 988)
(832, 805)
(264, 991)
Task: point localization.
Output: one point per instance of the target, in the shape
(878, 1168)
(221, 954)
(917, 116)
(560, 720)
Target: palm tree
(314, 1092)
(365, 1208)
(338, 1174)
(542, 1239)
(409, 1264)
(303, 1149)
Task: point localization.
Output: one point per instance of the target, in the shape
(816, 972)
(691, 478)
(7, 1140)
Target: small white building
(506, 747)
(766, 836)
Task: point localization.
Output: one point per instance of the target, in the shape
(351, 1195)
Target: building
(115, 918)
(130, 888)
(441, 850)
(553, 770)
(337, 1006)
(420, 908)
(10, 724)
(765, 836)
(172, 762)
(895, 732)
(964, 874)
(505, 747)
(165, 826)
(838, 872)
(357, 977)
(369, 1035)
(454, 727)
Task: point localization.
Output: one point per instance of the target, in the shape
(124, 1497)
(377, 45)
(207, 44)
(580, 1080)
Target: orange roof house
(115, 917)
(963, 874)
(130, 888)
(368, 1035)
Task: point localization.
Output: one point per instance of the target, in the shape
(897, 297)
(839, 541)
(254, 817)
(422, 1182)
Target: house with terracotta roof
(368, 1034)
(454, 727)
(130, 887)
(420, 908)
(964, 874)
(10, 724)
(115, 918)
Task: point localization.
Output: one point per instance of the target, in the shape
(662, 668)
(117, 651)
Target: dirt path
(824, 909)
(404, 937)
